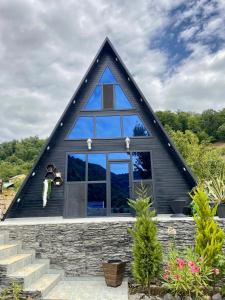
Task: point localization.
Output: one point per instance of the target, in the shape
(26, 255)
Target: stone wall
(79, 248)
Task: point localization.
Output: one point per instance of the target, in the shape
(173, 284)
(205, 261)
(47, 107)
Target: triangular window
(121, 100)
(83, 128)
(95, 100)
(107, 77)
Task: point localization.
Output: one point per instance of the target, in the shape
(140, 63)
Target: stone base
(80, 245)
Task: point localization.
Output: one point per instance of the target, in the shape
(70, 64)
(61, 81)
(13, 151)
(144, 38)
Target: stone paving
(88, 289)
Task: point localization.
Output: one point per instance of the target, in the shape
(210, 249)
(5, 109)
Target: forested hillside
(17, 157)
(193, 134)
(209, 125)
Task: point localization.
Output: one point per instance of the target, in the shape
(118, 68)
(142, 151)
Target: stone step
(32, 272)
(4, 237)
(45, 283)
(7, 250)
(15, 262)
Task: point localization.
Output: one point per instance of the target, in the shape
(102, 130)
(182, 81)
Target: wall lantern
(127, 142)
(89, 142)
(58, 179)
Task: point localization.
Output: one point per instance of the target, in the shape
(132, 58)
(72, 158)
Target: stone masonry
(80, 247)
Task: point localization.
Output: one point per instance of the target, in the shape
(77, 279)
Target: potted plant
(215, 189)
(178, 205)
(114, 272)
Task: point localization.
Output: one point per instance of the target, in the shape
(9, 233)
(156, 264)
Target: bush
(209, 237)
(186, 274)
(146, 249)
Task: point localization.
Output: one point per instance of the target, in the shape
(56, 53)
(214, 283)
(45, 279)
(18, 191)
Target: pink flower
(191, 264)
(181, 263)
(216, 271)
(195, 269)
(165, 276)
(177, 277)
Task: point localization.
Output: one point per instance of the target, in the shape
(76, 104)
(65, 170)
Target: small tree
(209, 237)
(146, 249)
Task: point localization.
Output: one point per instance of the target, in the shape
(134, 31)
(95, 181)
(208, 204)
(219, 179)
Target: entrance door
(119, 187)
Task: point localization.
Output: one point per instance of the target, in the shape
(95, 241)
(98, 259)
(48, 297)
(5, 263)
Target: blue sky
(185, 27)
(174, 48)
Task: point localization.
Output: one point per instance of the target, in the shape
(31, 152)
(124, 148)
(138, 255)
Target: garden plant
(147, 251)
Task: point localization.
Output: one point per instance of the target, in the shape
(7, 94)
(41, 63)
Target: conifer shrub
(209, 238)
(146, 249)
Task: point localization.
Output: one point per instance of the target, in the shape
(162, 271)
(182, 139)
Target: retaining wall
(80, 247)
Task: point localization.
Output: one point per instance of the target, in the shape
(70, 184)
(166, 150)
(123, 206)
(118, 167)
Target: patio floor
(90, 288)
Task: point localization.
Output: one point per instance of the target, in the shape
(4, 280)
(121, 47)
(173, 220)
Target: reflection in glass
(95, 100)
(108, 127)
(119, 155)
(119, 173)
(83, 128)
(76, 167)
(121, 99)
(96, 167)
(141, 165)
(96, 199)
(133, 126)
(107, 77)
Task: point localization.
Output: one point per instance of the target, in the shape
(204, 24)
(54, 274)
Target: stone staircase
(20, 265)
(40, 282)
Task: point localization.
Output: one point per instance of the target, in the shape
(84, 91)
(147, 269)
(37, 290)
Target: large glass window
(133, 126)
(141, 165)
(108, 127)
(83, 128)
(107, 77)
(96, 167)
(121, 100)
(76, 168)
(96, 199)
(95, 100)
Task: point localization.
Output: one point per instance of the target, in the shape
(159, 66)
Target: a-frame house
(105, 144)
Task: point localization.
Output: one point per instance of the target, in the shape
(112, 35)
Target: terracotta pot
(114, 271)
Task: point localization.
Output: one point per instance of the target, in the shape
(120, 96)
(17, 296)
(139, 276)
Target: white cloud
(47, 46)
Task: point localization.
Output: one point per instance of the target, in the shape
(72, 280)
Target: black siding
(170, 180)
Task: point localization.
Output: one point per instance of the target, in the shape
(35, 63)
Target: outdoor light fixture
(58, 179)
(89, 142)
(127, 142)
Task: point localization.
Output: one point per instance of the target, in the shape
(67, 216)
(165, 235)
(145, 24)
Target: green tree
(209, 237)
(146, 249)
(203, 159)
(17, 157)
(221, 132)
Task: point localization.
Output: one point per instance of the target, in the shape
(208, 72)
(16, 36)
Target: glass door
(119, 187)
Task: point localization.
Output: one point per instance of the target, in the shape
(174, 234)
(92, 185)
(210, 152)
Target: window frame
(107, 181)
(114, 95)
(111, 113)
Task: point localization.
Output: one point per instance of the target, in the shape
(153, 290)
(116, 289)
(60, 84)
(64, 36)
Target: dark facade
(107, 107)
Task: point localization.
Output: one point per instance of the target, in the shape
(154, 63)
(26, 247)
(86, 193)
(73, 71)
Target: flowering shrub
(187, 274)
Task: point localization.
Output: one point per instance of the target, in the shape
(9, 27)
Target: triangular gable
(107, 46)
